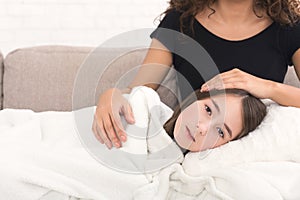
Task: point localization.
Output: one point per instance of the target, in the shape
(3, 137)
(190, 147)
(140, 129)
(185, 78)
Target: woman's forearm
(285, 95)
(154, 68)
(128, 89)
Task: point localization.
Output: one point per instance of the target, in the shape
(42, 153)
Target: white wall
(26, 23)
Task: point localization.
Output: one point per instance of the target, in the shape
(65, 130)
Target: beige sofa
(64, 78)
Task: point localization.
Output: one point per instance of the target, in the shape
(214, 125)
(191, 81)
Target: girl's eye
(220, 132)
(208, 110)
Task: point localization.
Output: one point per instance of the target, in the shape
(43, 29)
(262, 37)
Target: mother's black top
(266, 54)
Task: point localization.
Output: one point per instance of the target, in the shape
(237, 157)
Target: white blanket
(43, 152)
(46, 152)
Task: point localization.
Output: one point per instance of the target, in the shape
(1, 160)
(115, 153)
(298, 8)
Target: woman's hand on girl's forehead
(239, 79)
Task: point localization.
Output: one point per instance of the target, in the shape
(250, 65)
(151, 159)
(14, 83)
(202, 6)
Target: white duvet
(43, 155)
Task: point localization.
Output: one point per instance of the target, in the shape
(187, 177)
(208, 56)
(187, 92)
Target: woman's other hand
(107, 126)
(236, 78)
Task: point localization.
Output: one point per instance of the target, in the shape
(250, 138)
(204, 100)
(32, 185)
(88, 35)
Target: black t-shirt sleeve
(169, 21)
(293, 41)
(168, 30)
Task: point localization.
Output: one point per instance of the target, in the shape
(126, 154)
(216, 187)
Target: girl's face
(209, 123)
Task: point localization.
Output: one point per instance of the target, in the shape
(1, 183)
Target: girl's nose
(202, 129)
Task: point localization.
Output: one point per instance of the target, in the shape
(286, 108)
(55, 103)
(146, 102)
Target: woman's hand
(236, 78)
(107, 126)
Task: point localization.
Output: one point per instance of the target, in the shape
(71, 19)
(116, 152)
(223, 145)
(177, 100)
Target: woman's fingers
(96, 132)
(235, 84)
(104, 137)
(118, 135)
(126, 111)
(103, 128)
(128, 114)
(221, 81)
(107, 125)
(213, 83)
(100, 133)
(108, 134)
(239, 79)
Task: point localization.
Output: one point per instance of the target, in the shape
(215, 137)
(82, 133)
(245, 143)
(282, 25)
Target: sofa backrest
(291, 78)
(41, 78)
(63, 78)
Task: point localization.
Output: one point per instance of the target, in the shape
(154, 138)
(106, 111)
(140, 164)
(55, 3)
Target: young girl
(204, 121)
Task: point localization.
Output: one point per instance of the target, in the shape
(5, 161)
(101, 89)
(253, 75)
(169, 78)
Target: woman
(251, 42)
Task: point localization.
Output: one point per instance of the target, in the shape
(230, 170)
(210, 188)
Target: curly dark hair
(285, 12)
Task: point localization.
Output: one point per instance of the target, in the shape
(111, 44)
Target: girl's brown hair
(253, 111)
(285, 12)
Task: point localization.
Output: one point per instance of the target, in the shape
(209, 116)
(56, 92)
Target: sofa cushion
(1, 80)
(41, 78)
(65, 78)
(291, 78)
